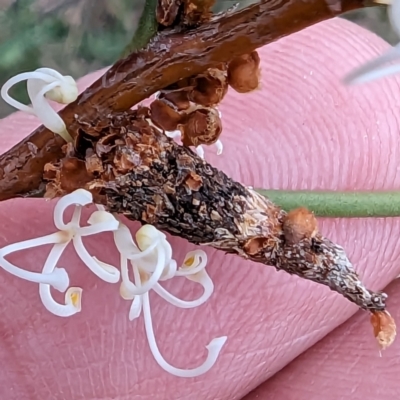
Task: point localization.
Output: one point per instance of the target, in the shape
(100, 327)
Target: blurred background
(76, 37)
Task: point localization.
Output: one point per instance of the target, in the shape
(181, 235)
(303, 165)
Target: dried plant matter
(244, 72)
(148, 177)
(171, 56)
(384, 328)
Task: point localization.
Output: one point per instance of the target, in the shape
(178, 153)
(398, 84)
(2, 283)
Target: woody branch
(172, 55)
(131, 167)
(135, 170)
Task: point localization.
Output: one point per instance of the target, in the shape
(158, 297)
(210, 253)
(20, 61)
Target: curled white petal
(200, 151)
(129, 250)
(219, 146)
(128, 284)
(19, 78)
(107, 267)
(154, 277)
(194, 262)
(202, 278)
(51, 73)
(58, 278)
(213, 348)
(100, 216)
(66, 92)
(153, 255)
(136, 308)
(76, 217)
(47, 115)
(137, 303)
(42, 83)
(125, 293)
(71, 307)
(146, 235)
(148, 262)
(100, 221)
(79, 197)
(169, 271)
(61, 310)
(73, 298)
(126, 246)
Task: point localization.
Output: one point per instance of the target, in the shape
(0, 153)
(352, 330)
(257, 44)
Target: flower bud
(209, 88)
(201, 126)
(164, 116)
(384, 328)
(244, 72)
(177, 99)
(299, 224)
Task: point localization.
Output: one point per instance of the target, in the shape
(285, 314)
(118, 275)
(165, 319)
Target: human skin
(301, 130)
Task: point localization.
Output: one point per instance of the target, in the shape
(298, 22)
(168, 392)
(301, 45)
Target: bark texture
(172, 55)
(135, 170)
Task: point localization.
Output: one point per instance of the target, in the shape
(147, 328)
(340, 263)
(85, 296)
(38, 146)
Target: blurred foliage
(374, 19)
(76, 37)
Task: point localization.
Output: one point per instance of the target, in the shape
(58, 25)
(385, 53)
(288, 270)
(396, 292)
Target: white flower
(377, 68)
(151, 261)
(43, 84)
(99, 221)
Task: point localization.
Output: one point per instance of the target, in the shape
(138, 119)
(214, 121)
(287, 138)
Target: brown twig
(135, 170)
(171, 56)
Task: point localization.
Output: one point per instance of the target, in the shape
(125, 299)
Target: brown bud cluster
(244, 72)
(201, 126)
(176, 99)
(209, 88)
(189, 106)
(164, 116)
(128, 143)
(384, 328)
(299, 224)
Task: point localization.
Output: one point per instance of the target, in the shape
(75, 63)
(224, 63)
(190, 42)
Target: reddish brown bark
(137, 171)
(171, 56)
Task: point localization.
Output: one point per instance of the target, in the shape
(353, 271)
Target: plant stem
(173, 56)
(172, 188)
(338, 204)
(146, 30)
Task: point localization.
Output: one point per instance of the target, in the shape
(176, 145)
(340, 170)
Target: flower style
(43, 84)
(199, 149)
(99, 221)
(377, 68)
(151, 261)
